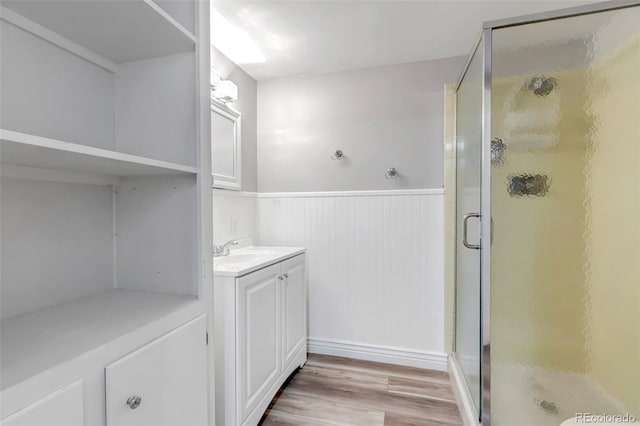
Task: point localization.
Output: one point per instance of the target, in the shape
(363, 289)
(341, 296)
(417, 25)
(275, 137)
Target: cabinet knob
(134, 402)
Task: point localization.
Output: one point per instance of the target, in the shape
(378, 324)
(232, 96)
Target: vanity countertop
(248, 259)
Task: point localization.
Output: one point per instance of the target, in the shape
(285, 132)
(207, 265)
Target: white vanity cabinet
(260, 326)
(258, 317)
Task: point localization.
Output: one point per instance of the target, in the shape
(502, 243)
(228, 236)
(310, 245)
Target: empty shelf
(118, 31)
(35, 342)
(34, 151)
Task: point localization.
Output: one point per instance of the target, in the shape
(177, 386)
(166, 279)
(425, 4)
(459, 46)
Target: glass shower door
(565, 202)
(469, 103)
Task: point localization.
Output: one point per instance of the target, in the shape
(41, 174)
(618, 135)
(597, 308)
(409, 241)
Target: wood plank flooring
(347, 392)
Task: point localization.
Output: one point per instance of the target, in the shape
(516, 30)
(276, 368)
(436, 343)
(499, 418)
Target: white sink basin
(239, 258)
(246, 260)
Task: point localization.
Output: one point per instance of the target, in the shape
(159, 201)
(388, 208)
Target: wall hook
(391, 173)
(337, 155)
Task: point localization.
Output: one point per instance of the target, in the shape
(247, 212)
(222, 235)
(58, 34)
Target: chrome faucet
(223, 249)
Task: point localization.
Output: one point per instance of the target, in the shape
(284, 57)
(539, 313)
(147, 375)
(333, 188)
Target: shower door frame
(485, 40)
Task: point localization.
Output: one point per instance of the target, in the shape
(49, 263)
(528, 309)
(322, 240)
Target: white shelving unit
(105, 187)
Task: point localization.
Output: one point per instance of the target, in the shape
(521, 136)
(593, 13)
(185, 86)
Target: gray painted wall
(380, 117)
(246, 104)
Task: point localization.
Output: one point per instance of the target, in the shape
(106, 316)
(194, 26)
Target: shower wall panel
(612, 230)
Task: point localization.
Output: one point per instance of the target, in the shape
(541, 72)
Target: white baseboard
(463, 398)
(386, 354)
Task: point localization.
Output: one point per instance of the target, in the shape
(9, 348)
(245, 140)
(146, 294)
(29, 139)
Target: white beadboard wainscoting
(375, 264)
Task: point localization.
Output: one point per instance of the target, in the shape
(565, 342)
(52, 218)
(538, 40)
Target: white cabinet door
(64, 407)
(169, 376)
(258, 337)
(293, 309)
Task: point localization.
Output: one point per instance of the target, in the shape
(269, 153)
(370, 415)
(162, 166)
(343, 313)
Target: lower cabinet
(260, 338)
(294, 313)
(62, 408)
(159, 381)
(163, 383)
(259, 334)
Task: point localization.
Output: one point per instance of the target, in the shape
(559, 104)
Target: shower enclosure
(547, 318)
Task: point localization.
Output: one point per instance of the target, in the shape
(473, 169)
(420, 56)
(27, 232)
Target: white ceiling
(270, 39)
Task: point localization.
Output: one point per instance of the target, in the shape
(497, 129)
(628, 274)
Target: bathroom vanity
(260, 317)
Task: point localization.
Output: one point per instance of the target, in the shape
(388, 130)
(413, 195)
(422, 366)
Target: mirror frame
(224, 181)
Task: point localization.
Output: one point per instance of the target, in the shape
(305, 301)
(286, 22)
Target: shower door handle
(465, 219)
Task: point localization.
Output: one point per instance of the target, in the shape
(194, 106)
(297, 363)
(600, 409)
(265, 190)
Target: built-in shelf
(35, 342)
(118, 31)
(21, 149)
